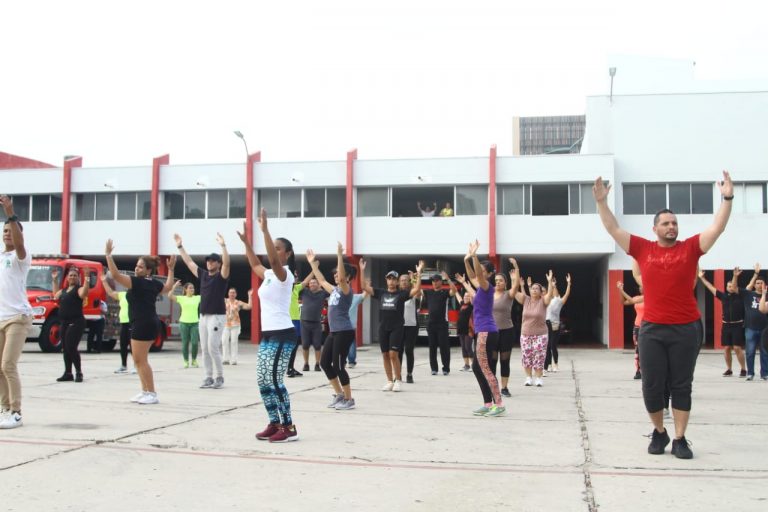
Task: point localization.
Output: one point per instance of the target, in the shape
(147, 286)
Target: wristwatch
(12, 218)
(728, 198)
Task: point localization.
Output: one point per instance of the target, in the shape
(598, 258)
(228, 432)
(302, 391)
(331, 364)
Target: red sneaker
(272, 429)
(285, 434)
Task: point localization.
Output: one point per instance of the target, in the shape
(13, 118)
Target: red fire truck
(422, 316)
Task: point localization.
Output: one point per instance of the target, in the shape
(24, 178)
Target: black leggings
(71, 332)
(506, 338)
(333, 359)
(492, 350)
(668, 356)
(552, 338)
(410, 333)
(125, 342)
(438, 337)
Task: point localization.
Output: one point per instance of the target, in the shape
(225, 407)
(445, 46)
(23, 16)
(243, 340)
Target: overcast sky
(122, 82)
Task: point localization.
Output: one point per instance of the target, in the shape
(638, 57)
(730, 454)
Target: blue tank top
(338, 310)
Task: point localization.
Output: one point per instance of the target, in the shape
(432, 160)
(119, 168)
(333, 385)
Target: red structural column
(66, 201)
(253, 158)
(154, 208)
(350, 232)
(615, 311)
(717, 312)
(492, 205)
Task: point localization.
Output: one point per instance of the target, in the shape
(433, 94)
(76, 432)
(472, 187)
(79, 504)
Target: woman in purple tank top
(487, 350)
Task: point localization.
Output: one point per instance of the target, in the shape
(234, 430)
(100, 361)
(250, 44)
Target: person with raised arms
(72, 319)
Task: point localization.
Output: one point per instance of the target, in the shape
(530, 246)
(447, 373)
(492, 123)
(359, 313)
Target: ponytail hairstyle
(292, 256)
(151, 262)
(349, 270)
(488, 266)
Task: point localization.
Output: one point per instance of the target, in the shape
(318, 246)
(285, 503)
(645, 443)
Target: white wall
(202, 177)
(319, 234)
(420, 235)
(89, 238)
(576, 234)
(42, 237)
(553, 168)
(32, 181)
(433, 172)
(111, 179)
(300, 174)
(199, 235)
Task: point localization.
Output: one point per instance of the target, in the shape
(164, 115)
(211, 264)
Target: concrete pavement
(575, 444)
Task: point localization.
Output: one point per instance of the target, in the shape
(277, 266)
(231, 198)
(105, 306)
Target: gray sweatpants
(211, 328)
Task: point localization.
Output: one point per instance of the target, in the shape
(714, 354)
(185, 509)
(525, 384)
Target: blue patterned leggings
(272, 363)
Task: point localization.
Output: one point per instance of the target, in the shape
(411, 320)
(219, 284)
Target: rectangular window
(194, 204)
(655, 198)
(701, 198)
(680, 197)
(314, 202)
(174, 205)
(574, 196)
(290, 202)
(144, 205)
(588, 204)
(269, 199)
(55, 207)
(84, 204)
(372, 202)
(41, 208)
(336, 202)
(549, 199)
(237, 203)
(217, 204)
(472, 200)
(511, 200)
(753, 198)
(126, 206)
(21, 207)
(105, 206)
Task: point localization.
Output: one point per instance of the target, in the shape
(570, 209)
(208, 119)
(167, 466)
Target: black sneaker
(296, 373)
(317, 367)
(290, 373)
(680, 448)
(79, 377)
(505, 392)
(742, 374)
(409, 379)
(446, 372)
(727, 373)
(67, 377)
(638, 376)
(659, 441)
(306, 368)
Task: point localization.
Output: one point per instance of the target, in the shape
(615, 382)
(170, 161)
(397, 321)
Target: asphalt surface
(575, 444)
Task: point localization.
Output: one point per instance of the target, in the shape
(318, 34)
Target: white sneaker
(388, 386)
(396, 386)
(122, 369)
(538, 382)
(555, 369)
(12, 420)
(138, 397)
(133, 371)
(528, 381)
(149, 398)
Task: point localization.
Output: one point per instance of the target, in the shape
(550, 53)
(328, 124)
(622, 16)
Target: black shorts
(733, 335)
(390, 338)
(506, 339)
(145, 329)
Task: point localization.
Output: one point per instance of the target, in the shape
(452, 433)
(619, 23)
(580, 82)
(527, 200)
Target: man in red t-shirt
(671, 333)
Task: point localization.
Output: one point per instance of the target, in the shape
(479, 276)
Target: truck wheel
(50, 335)
(108, 345)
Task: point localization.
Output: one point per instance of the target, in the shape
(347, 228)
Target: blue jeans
(753, 341)
(352, 356)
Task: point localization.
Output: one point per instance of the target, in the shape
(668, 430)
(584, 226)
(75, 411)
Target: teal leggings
(189, 335)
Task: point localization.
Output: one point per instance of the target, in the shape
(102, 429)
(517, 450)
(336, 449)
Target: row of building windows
(690, 198)
(202, 204)
(308, 202)
(38, 207)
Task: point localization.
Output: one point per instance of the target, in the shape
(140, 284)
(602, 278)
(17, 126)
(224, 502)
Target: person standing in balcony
(141, 295)
(503, 300)
(480, 275)
(671, 333)
(392, 321)
(447, 211)
(230, 337)
(188, 322)
(341, 332)
(213, 286)
(533, 331)
(278, 335)
(553, 323)
(71, 300)
(15, 314)
(428, 211)
(437, 324)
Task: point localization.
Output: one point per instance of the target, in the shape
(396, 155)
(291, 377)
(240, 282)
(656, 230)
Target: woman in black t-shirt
(72, 320)
(142, 294)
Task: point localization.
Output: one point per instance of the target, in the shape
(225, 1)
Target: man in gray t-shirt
(312, 299)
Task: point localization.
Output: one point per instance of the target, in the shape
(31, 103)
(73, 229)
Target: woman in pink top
(533, 332)
(231, 332)
(636, 301)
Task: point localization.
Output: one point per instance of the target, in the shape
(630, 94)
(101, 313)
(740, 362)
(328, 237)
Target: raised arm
(312, 260)
(110, 292)
(567, 288)
(253, 260)
(123, 279)
(709, 236)
(367, 287)
(626, 299)
(752, 281)
(224, 256)
(451, 285)
(185, 257)
(480, 280)
(55, 289)
(249, 304)
(471, 278)
(550, 288)
(466, 285)
(274, 260)
(514, 275)
(416, 289)
(341, 269)
(170, 293)
(17, 237)
(169, 280)
(706, 283)
(83, 290)
(611, 225)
